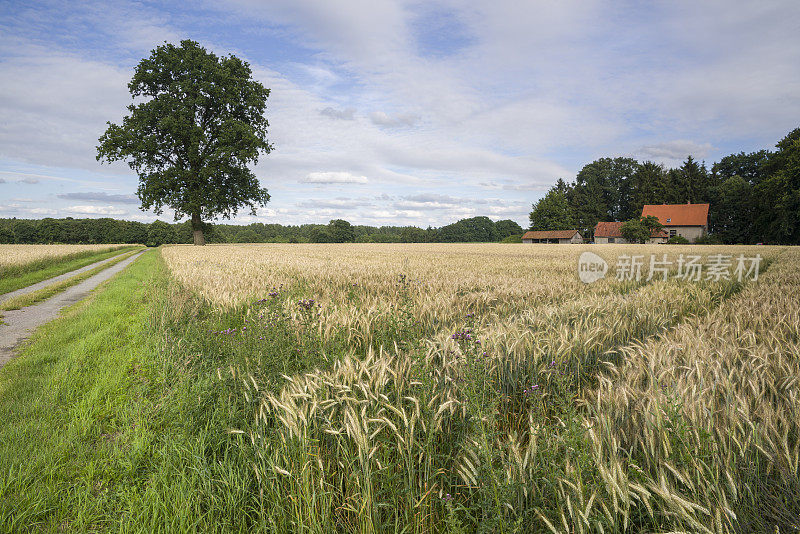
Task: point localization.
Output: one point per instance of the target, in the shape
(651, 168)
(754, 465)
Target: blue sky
(403, 112)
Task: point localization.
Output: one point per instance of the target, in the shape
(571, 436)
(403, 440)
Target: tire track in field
(19, 324)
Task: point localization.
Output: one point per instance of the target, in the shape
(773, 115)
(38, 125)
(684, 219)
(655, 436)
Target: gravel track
(19, 324)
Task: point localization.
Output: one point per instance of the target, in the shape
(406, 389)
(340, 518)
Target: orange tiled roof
(608, 229)
(614, 229)
(678, 214)
(549, 234)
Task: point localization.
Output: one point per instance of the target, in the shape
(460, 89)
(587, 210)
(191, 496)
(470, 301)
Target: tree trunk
(197, 230)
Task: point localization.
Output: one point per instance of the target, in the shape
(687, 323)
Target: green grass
(114, 418)
(46, 292)
(75, 415)
(19, 276)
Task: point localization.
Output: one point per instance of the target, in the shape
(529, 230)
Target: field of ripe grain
(358, 285)
(468, 387)
(20, 255)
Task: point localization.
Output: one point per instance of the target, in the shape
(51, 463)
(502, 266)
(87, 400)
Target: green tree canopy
(647, 185)
(689, 184)
(778, 196)
(341, 231)
(552, 212)
(201, 124)
(750, 167)
(473, 230)
(635, 231)
(733, 211)
(413, 234)
(506, 228)
(160, 233)
(598, 193)
(641, 229)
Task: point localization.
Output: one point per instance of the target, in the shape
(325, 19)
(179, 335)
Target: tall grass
(700, 428)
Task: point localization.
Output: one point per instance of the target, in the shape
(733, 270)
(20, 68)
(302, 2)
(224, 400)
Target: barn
(611, 232)
(561, 237)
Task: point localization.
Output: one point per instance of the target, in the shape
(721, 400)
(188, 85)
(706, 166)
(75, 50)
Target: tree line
(754, 197)
(107, 230)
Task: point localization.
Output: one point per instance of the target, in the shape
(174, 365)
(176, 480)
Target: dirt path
(44, 283)
(20, 323)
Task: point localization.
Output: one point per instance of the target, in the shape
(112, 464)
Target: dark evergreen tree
(778, 195)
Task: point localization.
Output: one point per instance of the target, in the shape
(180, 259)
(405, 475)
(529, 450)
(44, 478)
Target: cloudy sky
(403, 112)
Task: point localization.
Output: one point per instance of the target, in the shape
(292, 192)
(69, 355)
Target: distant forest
(754, 197)
(69, 230)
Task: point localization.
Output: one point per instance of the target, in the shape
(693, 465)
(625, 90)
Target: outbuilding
(561, 237)
(611, 232)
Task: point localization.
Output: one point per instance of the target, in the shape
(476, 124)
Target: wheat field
(511, 397)
(16, 255)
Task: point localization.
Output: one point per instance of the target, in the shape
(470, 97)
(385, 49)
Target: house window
(669, 220)
(672, 233)
(610, 239)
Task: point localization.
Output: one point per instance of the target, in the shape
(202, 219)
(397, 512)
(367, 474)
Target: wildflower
(306, 304)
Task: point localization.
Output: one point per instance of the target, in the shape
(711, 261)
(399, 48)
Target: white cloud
(334, 178)
(42, 211)
(96, 210)
(341, 114)
(675, 150)
(55, 104)
(100, 196)
(334, 204)
(393, 121)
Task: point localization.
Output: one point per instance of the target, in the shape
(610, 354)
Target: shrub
(708, 240)
(678, 240)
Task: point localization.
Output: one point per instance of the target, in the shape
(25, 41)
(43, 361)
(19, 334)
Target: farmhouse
(611, 232)
(687, 220)
(561, 237)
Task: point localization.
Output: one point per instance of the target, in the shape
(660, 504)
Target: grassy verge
(45, 293)
(75, 420)
(113, 418)
(19, 276)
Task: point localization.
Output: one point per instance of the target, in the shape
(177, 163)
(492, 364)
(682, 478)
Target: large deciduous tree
(191, 139)
(552, 212)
